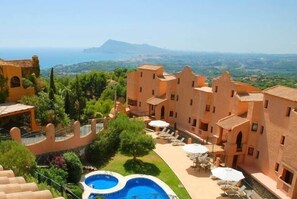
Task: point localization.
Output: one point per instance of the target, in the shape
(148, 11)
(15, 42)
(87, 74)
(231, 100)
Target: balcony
(284, 186)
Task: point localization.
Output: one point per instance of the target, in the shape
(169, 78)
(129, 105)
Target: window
(132, 102)
(139, 104)
(266, 104)
(172, 96)
(175, 114)
(193, 83)
(203, 126)
(153, 92)
(154, 76)
(287, 176)
(207, 108)
(178, 80)
(258, 154)
(15, 82)
(171, 114)
(194, 122)
(262, 130)
(140, 74)
(211, 129)
(232, 93)
(288, 111)
(276, 166)
(216, 89)
(191, 102)
(214, 109)
(189, 120)
(283, 138)
(140, 89)
(254, 126)
(250, 151)
(177, 98)
(229, 113)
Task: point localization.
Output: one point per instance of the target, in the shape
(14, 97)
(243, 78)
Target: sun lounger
(163, 131)
(178, 142)
(239, 192)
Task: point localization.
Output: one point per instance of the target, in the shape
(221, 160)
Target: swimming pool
(131, 186)
(101, 181)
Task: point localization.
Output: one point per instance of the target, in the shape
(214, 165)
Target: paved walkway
(198, 183)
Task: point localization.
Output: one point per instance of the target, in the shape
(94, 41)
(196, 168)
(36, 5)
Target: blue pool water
(137, 188)
(101, 181)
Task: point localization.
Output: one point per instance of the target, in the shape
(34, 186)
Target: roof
(150, 67)
(250, 97)
(167, 76)
(205, 89)
(12, 186)
(155, 100)
(12, 108)
(283, 92)
(231, 121)
(26, 63)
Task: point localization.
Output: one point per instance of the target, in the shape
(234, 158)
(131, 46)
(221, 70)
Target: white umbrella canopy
(158, 124)
(195, 148)
(227, 174)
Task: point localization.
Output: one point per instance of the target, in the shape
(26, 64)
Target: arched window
(239, 140)
(15, 82)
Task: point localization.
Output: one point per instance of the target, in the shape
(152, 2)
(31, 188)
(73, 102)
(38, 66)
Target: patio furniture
(167, 134)
(178, 142)
(239, 193)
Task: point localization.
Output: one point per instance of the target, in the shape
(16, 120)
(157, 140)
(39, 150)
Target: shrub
(74, 167)
(17, 157)
(56, 174)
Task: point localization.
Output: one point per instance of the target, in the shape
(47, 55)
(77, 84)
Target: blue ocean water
(49, 57)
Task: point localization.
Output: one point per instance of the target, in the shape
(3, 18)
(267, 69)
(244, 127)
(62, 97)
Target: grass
(150, 164)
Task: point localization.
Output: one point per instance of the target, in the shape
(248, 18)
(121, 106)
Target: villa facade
(13, 71)
(255, 128)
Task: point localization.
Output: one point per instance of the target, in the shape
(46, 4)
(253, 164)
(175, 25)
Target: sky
(240, 26)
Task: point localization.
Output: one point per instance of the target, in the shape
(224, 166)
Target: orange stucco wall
(49, 144)
(262, 128)
(15, 93)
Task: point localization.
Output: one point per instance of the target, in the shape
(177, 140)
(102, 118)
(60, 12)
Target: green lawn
(150, 164)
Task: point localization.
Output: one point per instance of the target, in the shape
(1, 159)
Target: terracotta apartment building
(257, 129)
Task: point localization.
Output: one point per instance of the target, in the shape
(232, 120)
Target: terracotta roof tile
(26, 63)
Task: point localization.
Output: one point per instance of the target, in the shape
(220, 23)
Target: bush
(75, 189)
(74, 167)
(56, 174)
(27, 83)
(17, 157)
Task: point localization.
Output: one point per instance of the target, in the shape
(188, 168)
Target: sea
(50, 57)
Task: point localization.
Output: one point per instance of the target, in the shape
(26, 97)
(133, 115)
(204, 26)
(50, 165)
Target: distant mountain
(113, 46)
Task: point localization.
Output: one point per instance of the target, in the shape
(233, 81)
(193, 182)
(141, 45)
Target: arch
(162, 112)
(239, 140)
(15, 82)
